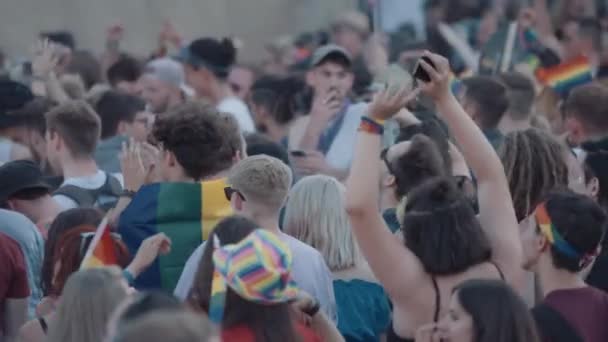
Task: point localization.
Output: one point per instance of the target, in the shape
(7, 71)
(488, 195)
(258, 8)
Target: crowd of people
(349, 185)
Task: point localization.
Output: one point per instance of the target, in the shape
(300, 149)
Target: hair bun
(442, 191)
(228, 51)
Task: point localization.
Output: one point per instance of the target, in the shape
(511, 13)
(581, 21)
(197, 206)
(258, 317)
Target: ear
(11, 205)
(541, 243)
(237, 203)
(575, 129)
(170, 159)
(350, 78)
(389, 181)
(593, 187)
(311, 78)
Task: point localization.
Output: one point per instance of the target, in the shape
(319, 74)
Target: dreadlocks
(534, 165)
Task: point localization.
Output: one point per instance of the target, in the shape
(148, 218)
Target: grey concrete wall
(252, 20)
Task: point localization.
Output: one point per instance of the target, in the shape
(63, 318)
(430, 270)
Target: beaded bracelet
(369, 125)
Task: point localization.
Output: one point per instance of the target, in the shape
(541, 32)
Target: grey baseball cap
(325, 51)
(169, 71)
(166, 70)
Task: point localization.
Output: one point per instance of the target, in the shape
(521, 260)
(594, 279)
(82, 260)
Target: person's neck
(388, 200)
(219, 91)
(268, 222)
(48, 208)
(508, 124)
(275, 131)
(552, 279)
(73, 168)
(219, 175)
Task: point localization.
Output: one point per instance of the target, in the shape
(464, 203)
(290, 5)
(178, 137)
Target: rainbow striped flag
(564, 77)
(101, 251)
(185, 212)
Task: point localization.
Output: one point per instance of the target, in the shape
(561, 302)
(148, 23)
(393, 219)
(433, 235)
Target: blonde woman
(89, 298)
(316, 215)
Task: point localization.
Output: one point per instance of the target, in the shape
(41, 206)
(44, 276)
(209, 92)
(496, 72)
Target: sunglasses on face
(229, 191)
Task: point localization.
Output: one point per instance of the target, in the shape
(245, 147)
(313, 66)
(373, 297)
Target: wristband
(127, 193)
(128, 277)
(371, 126)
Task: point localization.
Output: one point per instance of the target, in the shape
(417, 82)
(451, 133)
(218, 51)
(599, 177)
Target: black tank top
(391, 336)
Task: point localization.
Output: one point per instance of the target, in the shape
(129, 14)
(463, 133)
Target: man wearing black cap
(13, 96)
(23, 189)
(324, 139)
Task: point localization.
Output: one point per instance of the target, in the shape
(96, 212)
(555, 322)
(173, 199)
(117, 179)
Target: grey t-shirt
(309, 271)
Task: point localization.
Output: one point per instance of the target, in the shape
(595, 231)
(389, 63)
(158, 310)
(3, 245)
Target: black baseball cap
(19, 175)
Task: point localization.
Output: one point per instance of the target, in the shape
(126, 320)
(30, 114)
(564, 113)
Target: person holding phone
(322, 141)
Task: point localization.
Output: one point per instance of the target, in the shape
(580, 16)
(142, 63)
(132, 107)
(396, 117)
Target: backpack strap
(88, 197)
(82, 197)
(553, 326)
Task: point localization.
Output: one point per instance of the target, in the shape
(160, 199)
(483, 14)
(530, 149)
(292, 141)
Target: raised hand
(115, 33)
(388, 103)
(46, 59)
(439, 86)
(132, 166)
(325, 106)
(150, 249)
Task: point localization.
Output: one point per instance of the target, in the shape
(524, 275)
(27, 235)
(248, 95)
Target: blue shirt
(363, 308)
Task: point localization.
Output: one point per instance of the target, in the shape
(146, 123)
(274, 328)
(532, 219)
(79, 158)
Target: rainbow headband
(547, 228)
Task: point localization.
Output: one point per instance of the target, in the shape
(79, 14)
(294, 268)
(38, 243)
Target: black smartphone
(420, 73)
(298, 153)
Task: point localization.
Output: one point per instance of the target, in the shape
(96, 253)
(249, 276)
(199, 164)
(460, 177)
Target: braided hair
(534, 165)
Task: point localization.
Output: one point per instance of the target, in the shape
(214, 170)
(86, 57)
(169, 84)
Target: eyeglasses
(87, 238)
(229, 191)
(384, 157)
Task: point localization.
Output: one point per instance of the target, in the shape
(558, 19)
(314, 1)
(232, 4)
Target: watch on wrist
(127, 193)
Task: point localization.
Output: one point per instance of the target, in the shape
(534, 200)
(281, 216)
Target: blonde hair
(262, 180)
(88, 300)
(316, 215)
(180, 326)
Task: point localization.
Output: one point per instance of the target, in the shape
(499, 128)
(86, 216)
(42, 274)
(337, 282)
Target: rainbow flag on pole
(101, 251)
(185, 212)
(564, 77)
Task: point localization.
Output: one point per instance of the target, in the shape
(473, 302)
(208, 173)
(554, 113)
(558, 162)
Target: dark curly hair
(441, 229)
(203, 140)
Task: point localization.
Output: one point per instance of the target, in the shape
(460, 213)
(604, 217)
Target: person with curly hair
(197, 146)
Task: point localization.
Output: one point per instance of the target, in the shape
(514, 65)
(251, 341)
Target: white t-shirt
(309, 271)
(341, 152)
(87, 182)
(233, 105)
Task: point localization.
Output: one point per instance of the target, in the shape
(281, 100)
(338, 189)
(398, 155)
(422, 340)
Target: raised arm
(395, 266)
(496, 213)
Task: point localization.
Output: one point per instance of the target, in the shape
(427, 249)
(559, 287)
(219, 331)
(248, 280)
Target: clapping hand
(132, 166)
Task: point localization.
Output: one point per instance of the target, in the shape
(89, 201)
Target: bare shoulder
(31, 332)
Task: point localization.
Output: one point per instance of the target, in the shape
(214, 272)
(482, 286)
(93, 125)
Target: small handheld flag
(101, 251)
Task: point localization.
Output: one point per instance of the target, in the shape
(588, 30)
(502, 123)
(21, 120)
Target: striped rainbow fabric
(258, 268)
(564, 77)
(185, 212)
